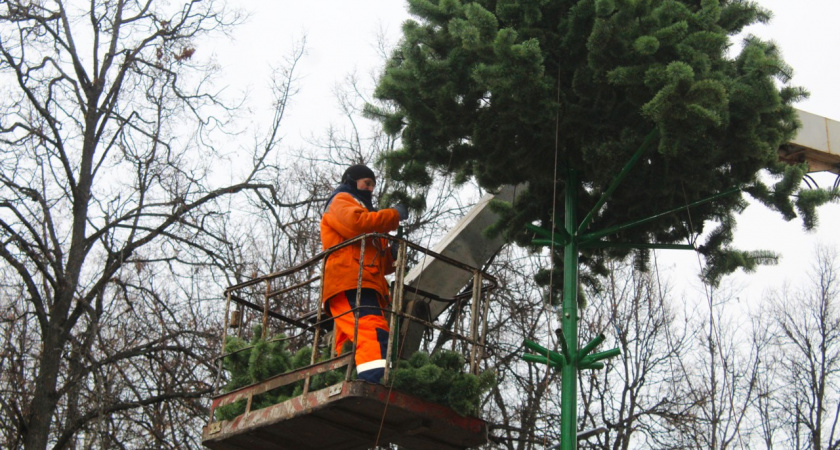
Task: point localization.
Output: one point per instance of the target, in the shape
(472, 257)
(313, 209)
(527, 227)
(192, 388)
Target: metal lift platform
(348, 415)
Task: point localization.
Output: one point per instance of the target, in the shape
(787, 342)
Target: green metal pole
(568, 405)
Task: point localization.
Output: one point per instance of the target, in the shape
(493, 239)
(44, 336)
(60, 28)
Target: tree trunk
(44, 398)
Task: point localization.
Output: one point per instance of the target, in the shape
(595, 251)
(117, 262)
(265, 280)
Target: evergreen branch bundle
(264, 359)
(497, 90)
(440, 378)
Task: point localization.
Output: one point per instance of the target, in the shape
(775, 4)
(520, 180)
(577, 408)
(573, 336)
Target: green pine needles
(260, 359)
(498, 90)
(439, 379)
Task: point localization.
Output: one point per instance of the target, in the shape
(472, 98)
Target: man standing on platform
(350, 213)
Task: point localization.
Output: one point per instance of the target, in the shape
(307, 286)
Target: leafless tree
(115, 208)
(808, 344)
(767, 417)
(524, 406)
(118, 233)
(636, 397)
(722, 370)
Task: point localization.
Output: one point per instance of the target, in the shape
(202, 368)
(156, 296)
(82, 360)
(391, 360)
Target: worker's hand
(402, 210)
(395, 248)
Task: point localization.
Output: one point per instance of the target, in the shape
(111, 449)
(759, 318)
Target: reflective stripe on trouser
(373, 331)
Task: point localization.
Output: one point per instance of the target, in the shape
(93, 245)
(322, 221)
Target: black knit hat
(357, 172)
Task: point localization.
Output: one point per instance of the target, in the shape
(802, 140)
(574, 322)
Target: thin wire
(661, 299)
(447, 180)
(554, 198)
(668, 336)
(553, 228)
(707, 289)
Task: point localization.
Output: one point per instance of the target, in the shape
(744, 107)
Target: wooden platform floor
(349, 415)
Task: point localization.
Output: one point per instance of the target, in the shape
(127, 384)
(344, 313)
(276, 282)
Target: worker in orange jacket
(350, 213)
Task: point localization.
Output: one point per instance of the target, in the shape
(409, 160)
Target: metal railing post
(265, 310)
(222, 351)
(396, 308)
(476, 295)
(318, 317)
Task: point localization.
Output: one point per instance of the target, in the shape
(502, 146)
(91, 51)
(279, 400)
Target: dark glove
(395, 248)
(402, 210)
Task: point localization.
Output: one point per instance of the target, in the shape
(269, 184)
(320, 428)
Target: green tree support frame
(572, 239)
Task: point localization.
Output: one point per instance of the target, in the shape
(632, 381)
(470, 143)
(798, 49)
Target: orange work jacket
(345, 219)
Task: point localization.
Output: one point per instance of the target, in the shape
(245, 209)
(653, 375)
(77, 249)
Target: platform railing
(260, 299)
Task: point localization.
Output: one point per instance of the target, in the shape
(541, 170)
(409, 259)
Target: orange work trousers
(372, 345)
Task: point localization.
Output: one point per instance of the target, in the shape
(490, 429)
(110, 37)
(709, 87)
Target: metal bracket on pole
(556, 360)
(591, 361)
(605, 244)
(544, 355)
(564, 346)
(559, 238)
(596, 341)
(589, 237)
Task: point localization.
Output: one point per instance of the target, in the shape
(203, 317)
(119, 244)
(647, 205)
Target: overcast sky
(342, 35)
